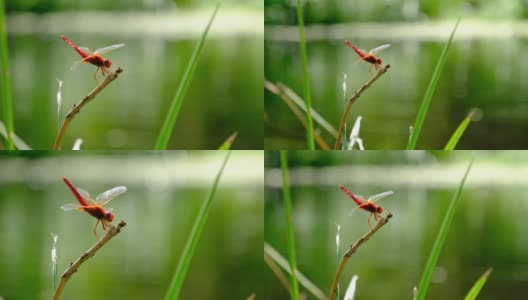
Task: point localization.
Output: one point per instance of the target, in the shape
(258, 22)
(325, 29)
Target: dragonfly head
(379, 61)
(379, 210)
(109, 216)
(107, 63)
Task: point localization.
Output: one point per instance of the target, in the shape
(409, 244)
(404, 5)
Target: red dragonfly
(370, 56)
(95, 207)
(368, 204)
(93, 58)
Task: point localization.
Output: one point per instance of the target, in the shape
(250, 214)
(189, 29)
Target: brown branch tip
(76, 108)
(352, 249)
(353, 99)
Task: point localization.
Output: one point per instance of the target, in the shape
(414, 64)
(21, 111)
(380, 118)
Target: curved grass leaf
(273, 254)
(185, 259)
(475, 290)
(424, 107)
(453, 141)
(19, 143)
(177, 101)
(440, 239)
(288, 93)
(230, 140)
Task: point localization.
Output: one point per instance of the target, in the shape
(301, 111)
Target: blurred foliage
(335, 11)
(44, 6)
(317, 159)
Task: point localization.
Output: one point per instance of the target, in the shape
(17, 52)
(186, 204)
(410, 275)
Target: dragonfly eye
(107, 63)
(379, 61)
(109, 216)
(379, 209)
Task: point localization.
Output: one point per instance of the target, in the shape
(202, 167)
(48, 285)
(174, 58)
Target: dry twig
(77, 107)
(72, 268)
(351, 251)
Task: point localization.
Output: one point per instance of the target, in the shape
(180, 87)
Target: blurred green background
(165, 192)
(485, 69)
(488, 229)
(159, 36)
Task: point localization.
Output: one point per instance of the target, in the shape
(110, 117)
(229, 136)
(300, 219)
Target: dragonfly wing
(353, 210)
(361, 198)
(84, 49)
(109, 48)
(378, 49)
(85, 194)
(76, 64)
(379, 196)
(105, 197)
(70, 206)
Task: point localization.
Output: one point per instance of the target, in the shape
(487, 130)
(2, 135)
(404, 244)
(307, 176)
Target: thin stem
(77, 107)
(290, 231)
(306, 78)
(353, 99)
(73, 267)
(353, 249)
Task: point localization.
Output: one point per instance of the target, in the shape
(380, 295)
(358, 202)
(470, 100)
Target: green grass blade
(424, 107)
(5, 81)
(177, 101)
(290, 231)
(185, 259)
(306, 78)
(475, 290)
(453, 141)
(230, 140)
(440, 239)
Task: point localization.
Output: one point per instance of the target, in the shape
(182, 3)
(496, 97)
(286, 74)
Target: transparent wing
(380, 196)
(84, 49)
(353, 210)
(70, 206)
(378, 49)
(109, 48)
(105, 197)
(361, 198)
(76, 64)
(85, 194)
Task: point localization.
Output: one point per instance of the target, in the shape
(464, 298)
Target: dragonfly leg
(369, 220)
(105, 225)
(95, 75)
(370, 71)
(95, 230)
